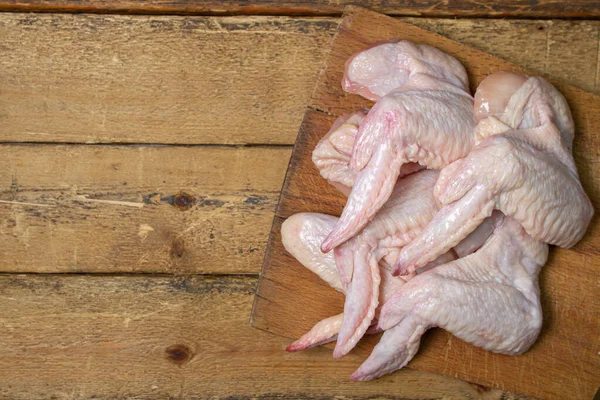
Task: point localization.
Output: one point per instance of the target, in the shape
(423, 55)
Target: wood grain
(563, 50)
(564, 362)
(194, 80)
(434, 8)
(116, 209)
(157, 79)
(111, 209)
(140, 337)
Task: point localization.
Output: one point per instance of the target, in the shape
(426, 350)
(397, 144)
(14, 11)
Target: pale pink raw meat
(383, 68)
(522, 102)
(489, 298)
(527, 172)
(332, 154)
(427, 119)
(324, 331)
(408, 210)
(410, 207)
(517, 160)
(301, 236)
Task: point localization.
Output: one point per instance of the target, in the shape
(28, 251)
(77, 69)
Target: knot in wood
(177, 247)
(178, 354)
(183, 201)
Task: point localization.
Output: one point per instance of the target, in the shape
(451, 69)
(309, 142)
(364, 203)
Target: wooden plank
(110, 209)
(140, 337)
(432, 8)
(125, 79)
(563, 50)
(157, 79)
(564, 362)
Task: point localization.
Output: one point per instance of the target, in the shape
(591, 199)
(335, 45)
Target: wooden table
(142, 161)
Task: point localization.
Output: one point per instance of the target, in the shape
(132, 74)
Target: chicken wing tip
(338, 353)
(294, 347)
(328, 244)
(358, 376)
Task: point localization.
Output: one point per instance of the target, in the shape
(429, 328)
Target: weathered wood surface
(564, 362)
(185, 80)
(455, 8)
(157, 79)
(137, 208)
(193, 80)
(89, 90)
(139, 337)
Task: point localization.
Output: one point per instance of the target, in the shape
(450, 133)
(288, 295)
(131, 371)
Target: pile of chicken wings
(453, 200)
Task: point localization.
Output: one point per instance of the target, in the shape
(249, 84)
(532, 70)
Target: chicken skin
(522, 166)
(452, 204)
(424, 114)
(301, 235)
(332, 154)
(409, 209)
(489, 298)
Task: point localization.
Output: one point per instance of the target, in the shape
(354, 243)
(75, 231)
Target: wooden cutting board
(565, 361)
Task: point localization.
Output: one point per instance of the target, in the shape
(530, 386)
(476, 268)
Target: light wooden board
(66, 337)
(139, 337)
(74, 236)
(194, 80)
(564, 363)
(463, 8)
(159, 209)
(157, 79)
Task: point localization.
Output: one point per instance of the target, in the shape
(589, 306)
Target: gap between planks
(121, 144)
(247, 276)
(429, 9)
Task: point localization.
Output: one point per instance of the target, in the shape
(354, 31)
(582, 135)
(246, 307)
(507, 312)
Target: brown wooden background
(142, 158)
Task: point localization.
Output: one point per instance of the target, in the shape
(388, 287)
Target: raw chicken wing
(332, 154)
(409, 209)
(301, 236)
(383, 68)
(522, 166)
(489, 298)
(427, 118)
